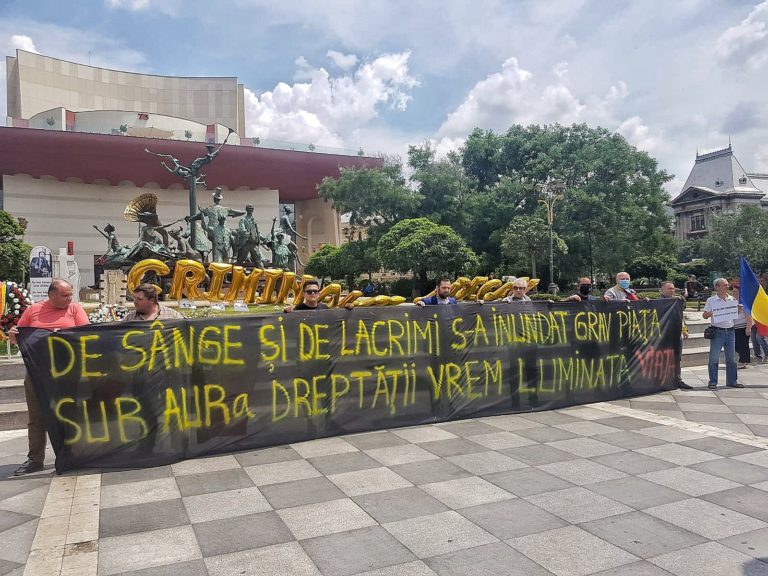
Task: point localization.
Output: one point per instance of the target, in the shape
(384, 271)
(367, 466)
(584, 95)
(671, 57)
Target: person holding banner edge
(722, 309)
(668, 291)
(55, 313)
(311, 299)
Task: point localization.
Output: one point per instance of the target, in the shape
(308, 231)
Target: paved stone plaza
(674, 483)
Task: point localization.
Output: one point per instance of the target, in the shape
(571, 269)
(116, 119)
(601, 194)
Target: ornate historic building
(717, 184)
(72, 155)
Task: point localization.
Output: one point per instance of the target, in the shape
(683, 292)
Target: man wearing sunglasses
(583, 292)
(312, 299)
(518, 292)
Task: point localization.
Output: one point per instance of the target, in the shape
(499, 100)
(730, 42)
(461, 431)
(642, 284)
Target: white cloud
(637, 134)
(22, 42)
(744, 44)
(132, 5)
(326, 109)
(343, 61)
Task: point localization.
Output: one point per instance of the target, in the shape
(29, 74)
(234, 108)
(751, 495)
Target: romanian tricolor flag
(751, 294)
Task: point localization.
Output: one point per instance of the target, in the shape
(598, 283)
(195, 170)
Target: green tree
(356, 258)
(525, 243)
(371, 196)
(741, 233)
(421, 246)
(14, 253)
(322, 263)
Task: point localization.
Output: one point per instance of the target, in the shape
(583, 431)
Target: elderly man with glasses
(518, 294)
(723, 336)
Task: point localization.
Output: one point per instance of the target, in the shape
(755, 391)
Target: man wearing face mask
(621, 291)
(583, 292)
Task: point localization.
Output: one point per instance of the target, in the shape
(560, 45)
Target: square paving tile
(589, 428)
(632, 462)
(267, 456)
(677, 454)
(325, 518)
(429, 471)
(627, 423)
(760, 458)
(512, 518)
(747, 500)
(142, 492)
(735, 470)
(199, 465)
(586, 412)
(585, 447)
(323, 447)
(370, 440)
(538, 455)
(511, 422)
(436, 534)
(288, 558)
(710, 558)
(147, 549)
(142, 518)
(226, 504)
(550, 417)
(9, 520)
(704, 518)
(346, 462)
(453, 447)
(190, 568)
(753, 543)
(394, 455)
(279, 472)
(571, 551)
(468, 428)
(641, 534)
(241, 533)
(527, 481)
(417, 568)
(194, 484)
(581, 472)
(123, 476)
(486, 462)
(466, 492)
(399, 504)
(491, 559)
(628, 439)
(350, 552)
(689, 481)
(578, 505)
(642, 568)
(420, 434)
(300, 492)
(714, 419)
(499, 440)
(670, 434)
(368, 481)
(546, 434)
(637, 493)
(720, 446)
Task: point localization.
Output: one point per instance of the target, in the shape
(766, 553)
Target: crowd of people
(730, 334)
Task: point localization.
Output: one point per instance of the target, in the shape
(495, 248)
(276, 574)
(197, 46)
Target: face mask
(585, 289)
(624, 284)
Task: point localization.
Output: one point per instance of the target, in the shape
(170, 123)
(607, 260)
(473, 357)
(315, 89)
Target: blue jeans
(723, 339)
(758, 343)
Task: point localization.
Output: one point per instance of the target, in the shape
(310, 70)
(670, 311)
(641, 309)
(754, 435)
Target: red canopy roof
(92, 157)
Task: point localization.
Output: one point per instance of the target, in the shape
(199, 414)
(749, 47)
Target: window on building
(698, 223)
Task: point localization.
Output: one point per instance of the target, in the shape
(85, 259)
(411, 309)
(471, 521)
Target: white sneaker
(742, 365)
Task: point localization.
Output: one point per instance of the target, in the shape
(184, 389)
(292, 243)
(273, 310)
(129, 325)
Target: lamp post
(550, 192)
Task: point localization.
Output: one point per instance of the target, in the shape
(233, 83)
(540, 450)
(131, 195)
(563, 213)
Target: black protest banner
(143, 394)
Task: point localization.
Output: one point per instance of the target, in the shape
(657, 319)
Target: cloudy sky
(671, 76)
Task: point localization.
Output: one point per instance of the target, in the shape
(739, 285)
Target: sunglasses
(311, 291)
(518, 288)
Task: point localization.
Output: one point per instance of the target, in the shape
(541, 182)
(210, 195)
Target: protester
(583, 291)
(311, 299)
(668, 291)
(722, 339)
(518, 294)
(742, 327)
(442, 294)
(147, 307)
(55, 313)
(621, 291)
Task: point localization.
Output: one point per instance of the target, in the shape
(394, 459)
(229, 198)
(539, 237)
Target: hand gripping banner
(150, 393)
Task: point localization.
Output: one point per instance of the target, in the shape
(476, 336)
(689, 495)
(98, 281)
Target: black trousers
(742, 344)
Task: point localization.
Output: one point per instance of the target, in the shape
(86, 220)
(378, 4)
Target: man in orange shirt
(56, 313)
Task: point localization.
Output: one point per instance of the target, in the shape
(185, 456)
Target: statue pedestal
(112, 287)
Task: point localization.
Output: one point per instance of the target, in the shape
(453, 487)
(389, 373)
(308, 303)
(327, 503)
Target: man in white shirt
(723, 337)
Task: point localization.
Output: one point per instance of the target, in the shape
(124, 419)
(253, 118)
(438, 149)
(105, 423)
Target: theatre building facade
(73, 155)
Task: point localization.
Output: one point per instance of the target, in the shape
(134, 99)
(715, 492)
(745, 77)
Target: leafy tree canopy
(14, 253)
(741, 233)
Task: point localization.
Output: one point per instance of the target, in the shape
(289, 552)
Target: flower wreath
(15, 300)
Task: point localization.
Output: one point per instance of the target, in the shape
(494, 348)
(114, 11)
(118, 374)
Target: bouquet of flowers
(107, 313)
(15, 300)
